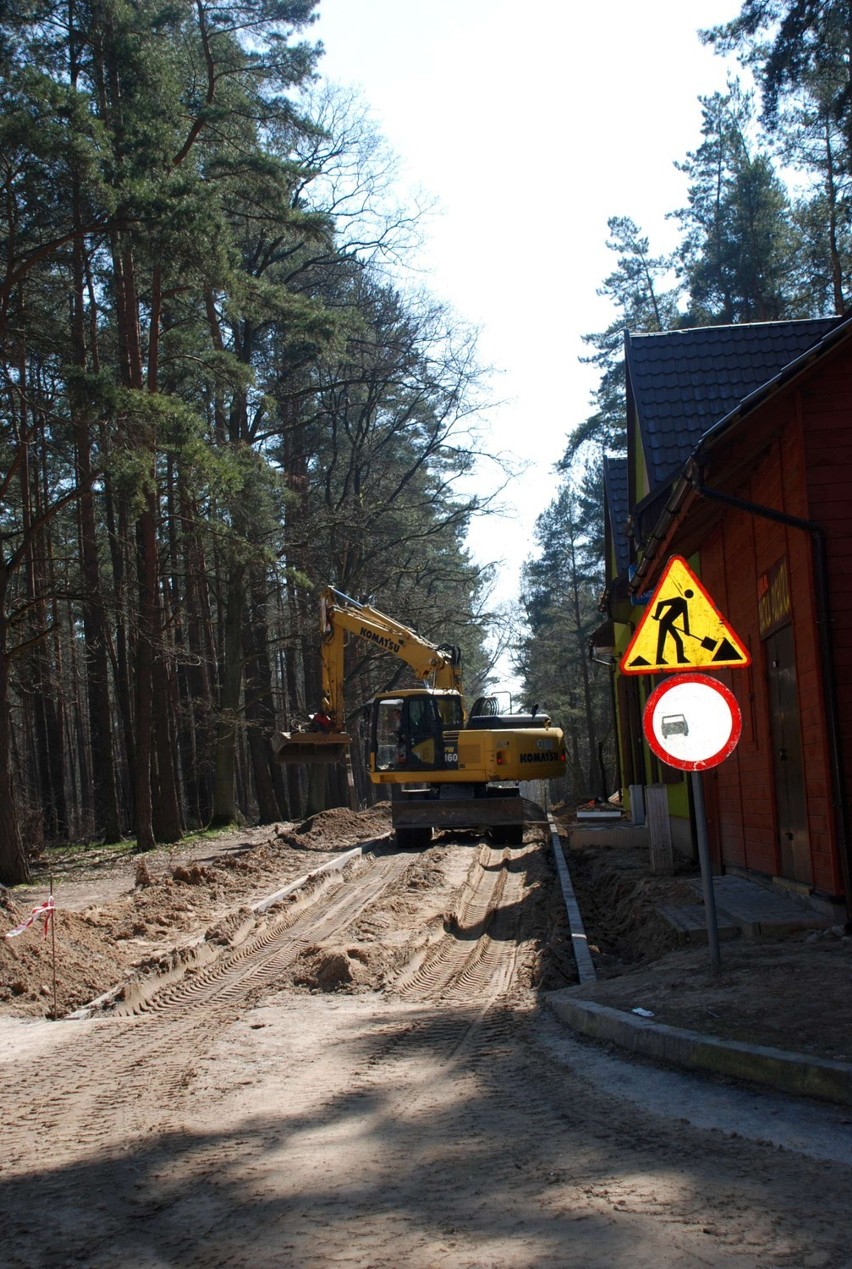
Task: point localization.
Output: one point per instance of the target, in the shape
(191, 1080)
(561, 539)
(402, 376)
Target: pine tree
(737, 239)
(643, 293)
(796, 48)
(799, 53)
(560, 589)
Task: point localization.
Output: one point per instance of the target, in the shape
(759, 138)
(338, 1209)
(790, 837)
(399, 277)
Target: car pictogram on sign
(674, 725)
(692, 721)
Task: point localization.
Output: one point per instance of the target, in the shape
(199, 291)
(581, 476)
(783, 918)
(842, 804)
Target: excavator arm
(437, 666)
(341, 616)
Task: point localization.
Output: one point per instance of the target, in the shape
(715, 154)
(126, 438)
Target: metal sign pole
(706, 874)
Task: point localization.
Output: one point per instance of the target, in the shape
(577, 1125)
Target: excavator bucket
(310, 747)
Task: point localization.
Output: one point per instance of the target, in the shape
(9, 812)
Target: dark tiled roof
(617, 508)
(685, 381)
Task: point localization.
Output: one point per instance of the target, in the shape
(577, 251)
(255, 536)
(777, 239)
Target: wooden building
(740, 460)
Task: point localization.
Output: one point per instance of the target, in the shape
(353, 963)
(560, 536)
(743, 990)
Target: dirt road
(363, 1076)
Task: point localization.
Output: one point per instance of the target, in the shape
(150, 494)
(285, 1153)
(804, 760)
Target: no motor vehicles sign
(692, 722)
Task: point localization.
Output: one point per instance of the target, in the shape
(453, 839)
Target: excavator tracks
(147, 1050)
(471, 962)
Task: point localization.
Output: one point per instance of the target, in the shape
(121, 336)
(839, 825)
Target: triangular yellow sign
(682, 629)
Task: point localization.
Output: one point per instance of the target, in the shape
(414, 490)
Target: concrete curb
(579, 942)
(787, 1072)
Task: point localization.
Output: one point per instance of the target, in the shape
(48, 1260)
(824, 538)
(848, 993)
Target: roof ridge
(739, 327)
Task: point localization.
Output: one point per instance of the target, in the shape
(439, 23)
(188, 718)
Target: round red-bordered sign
(692, 722)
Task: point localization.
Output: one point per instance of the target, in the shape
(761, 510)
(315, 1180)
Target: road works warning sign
(682, 629)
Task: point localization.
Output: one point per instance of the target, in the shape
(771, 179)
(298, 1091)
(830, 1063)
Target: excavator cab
(407, 730)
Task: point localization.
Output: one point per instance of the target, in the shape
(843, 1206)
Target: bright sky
(531, 128)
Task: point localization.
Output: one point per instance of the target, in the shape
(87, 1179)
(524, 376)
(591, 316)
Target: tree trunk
(168, 825)
(260, 715)
(196, 693)
(144, 696)
(231, 677)
(14, 869)
(95, 638)
(291, 772)
(48, 787)
(118, 543)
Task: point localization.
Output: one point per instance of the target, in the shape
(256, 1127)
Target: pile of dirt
(125, 916)
(87, 962)
(147, 905)
(621, 900)
(335, 969)
(338, 828)
(794, 994)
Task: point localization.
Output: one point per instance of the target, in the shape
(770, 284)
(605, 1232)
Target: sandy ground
(360, 1075)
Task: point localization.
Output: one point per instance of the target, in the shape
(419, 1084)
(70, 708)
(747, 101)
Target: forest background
(217, 396)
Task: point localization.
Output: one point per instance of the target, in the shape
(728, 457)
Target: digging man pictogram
(684, 626)
(666, 613)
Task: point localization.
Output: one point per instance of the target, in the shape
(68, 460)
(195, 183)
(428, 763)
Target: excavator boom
(326, 741)
(438, 666)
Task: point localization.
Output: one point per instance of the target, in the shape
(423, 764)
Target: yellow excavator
(446, 768)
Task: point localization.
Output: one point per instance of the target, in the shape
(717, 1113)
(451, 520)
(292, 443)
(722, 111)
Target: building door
(791, 807)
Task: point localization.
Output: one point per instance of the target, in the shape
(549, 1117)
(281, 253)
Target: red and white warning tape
(42, 912)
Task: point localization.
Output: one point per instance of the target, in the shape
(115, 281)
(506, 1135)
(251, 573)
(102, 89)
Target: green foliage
(642, 292)
(799, 51)
(210, 404)
(561, 586)
(792, 45)
(737, 238)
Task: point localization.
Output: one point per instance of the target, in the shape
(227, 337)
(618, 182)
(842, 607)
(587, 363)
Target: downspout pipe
(829, 683)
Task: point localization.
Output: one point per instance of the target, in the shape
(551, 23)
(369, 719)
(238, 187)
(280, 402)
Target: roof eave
(691, 471)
